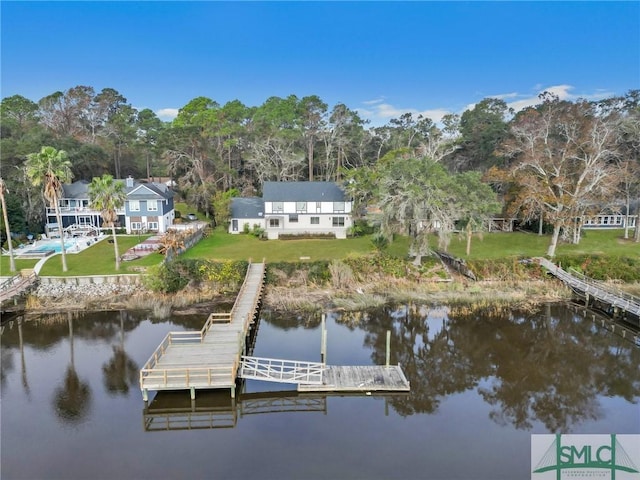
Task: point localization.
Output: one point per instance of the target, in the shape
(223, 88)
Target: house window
(318, 207)
(338, 207)
(277, 207)
(274, 222)
(134, 205)
(618, 220)
(153, 226)
(338, 221)
(136, 226)
(301, 207)
(152, 205)
(315, 220)
(293, 218)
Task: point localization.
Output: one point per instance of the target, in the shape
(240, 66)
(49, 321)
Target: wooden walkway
(17, 285)
(619, 301)
(208, 358)
(372, 378)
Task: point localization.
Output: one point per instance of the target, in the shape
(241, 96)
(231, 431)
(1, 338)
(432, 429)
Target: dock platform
(207, 358)
(372, 378)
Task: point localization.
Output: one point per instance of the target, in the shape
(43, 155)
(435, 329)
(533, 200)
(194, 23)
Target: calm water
(481, 385)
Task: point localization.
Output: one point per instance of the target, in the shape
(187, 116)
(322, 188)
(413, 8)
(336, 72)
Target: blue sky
(380, 58)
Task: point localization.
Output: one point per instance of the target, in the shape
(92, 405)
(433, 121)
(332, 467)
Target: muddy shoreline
(307, 298)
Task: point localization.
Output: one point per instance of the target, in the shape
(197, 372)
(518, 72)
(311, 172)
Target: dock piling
(388, 347)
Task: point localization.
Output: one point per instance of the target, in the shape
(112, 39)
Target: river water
(481, 384)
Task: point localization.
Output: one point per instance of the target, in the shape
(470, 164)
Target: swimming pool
(49, 245)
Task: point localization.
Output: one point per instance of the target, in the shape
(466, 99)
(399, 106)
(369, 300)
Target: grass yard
(223, 246)
(20, 264)
(99, 259)
(510, 244)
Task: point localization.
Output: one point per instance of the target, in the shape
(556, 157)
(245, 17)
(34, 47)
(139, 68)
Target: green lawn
(508, 244)
(20, 264)
(224, 246)
(99, 258)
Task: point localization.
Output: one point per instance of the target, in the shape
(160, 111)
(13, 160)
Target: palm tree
(108, 196)
(3, 192)
(51, 168)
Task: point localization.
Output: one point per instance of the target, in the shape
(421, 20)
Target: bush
(306, 236)
(225, 275)
(316, 272)
(603, 267)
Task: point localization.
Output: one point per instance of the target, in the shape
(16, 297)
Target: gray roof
(159, 189)
(80, 190)
(252, 207)
(302, 192)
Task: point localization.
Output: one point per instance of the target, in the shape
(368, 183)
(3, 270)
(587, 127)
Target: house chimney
(130, 181)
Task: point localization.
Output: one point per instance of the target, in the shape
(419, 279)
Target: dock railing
(186, 377)
(283, 371)
(173, 376)
(604, 286)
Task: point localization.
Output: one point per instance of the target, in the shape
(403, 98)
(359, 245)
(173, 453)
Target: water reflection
(549, 365)
(481, 381)
(120, 372)
(72, 399)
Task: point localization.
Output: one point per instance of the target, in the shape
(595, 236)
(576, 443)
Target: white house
(295, 208)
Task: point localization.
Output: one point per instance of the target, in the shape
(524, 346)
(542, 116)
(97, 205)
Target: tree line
(551, 163)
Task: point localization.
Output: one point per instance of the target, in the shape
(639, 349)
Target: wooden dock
(17, 285)
(371, 378)
(620, 303)
(216, 356)
(208, 358)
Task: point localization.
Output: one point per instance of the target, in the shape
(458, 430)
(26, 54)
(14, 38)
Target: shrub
(316, 272)
(341, 274)
(225, 275)
(306, 236)
(601, 267)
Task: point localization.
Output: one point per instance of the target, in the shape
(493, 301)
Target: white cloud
(167, 113)
(564, 92)
(379, 113)
(374, 101)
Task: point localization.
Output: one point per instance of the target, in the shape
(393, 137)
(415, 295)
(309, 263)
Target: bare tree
(562, 154)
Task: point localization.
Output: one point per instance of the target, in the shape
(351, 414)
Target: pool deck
(45, 248)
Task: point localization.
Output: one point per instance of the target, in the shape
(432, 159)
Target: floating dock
(372, 378)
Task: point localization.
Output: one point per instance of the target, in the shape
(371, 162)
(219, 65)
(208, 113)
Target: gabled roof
(302, 192)
(79, 189)
(252, 207)
(141, 191)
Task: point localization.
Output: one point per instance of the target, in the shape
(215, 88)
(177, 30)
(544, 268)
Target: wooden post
(193, 393)
(145, 395)
(586, 299)
(388, 346)
(323, 340)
